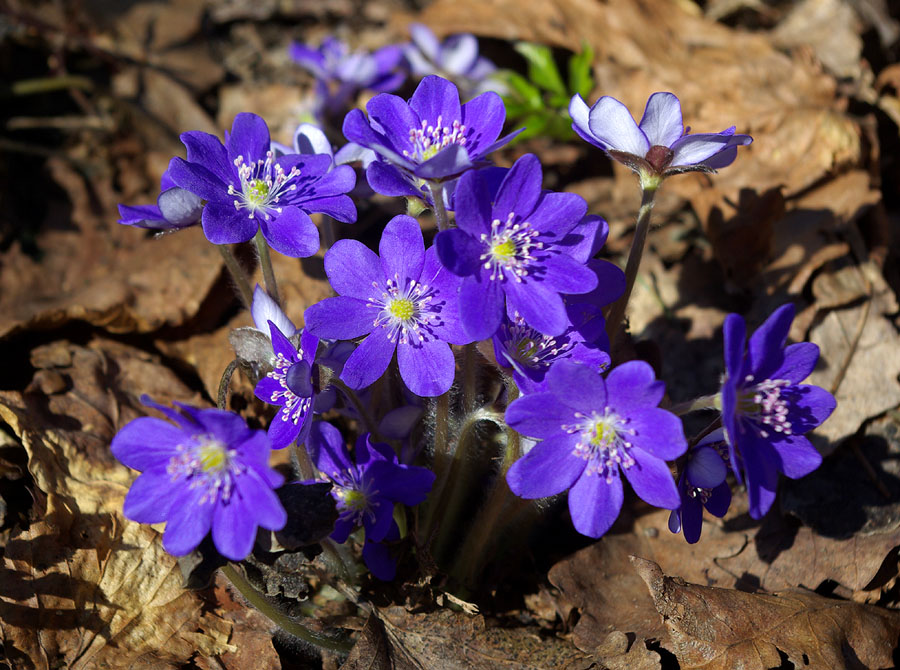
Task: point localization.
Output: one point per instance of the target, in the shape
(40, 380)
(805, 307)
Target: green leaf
(529, 94)
(542, 68)
(580, 79)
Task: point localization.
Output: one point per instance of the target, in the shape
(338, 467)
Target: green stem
(328, 232)
(288, 625)
(265, 261)
(441, 460)
(470, 380)
(616, 312)
(440, 212)
(360, 407)
(237, 274)
(697, 404)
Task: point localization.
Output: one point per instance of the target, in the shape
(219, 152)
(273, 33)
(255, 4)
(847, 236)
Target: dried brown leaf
(714, 628)
(451, 640)
(83, 588)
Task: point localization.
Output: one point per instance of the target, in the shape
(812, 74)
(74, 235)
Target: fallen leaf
(84, 588)
(714, 628)
(831, 28)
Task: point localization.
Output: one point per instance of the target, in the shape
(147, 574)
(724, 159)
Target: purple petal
(311, 59)
(558, 213)
(310, 139)
(427, 368)
(459, 54)
(473, 204)
(425, 40)
(540, 306)
(658, 432)
(448, 162)
(613, 127)
(539, 415)
(179, 207)
(520, 189)
(480, 306)
(378, 559)
(594, 504)
(798, 457)
(283, 431)
(388, 180)
(147, 442)
(484, 116)
(402, 249)
(233, 529)
(352, 269)
(765, 350)
(634, 385)
(719, 500)
(549, 468)
(395, 118)
(734, 332)
(399, 483)
(143, 216)
(249, 138)
(662, 122)
(799, 361)
(150, 497)
(208, 151)
(694, 149)
(458, 251)
(577, 386)
(808, 407)
(580, 113)
(266, 389)
(339, 318)
(652, 480)
(293, 233)
(436, 97)
(566, 275)
(369, 361)
(223, 224)
(705, 468)
(762, 474)
(333, 459)
(200, 181)
(189, 521)
(264, 309)
(729, 423)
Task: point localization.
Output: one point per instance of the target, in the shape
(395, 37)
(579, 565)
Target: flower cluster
(505, 317)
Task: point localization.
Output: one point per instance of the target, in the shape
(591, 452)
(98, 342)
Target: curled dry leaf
(715, 628)
(84, 588)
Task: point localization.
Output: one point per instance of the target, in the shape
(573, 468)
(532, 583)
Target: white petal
(662, 123)
(612, 124)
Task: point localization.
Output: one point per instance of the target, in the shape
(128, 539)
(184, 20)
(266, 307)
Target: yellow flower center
(604, 434)
(257, 191)
(402, 308)
(504, 251)
(213, 457)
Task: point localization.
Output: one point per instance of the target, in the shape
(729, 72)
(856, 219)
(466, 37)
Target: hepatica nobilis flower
(514, 252)
(592, 430)
(175, 208)
(290, 385)
(431, 138)
(702, 485)
(765, 409)
(404, 301)
(455, 58)
(657, 147)
(366, 490)
(208, 471)
(248, 188)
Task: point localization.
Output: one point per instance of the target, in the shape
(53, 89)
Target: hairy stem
(237, 274)
(616, 313)
(224, 383)
(265, 261)
(440, 212)
(288, 625)
(703, 402)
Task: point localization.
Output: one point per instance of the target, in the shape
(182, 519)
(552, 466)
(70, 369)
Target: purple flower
(702, 484)
(207, 471)
(249, 189)
(175, 208)
(766, 410)
(431, 138)
(340, 74)
(404, 301)
(515, 247)
(455, 58)
(530, 353)
(367, 490)
(591, 428)
(657, 147)
(290, 385)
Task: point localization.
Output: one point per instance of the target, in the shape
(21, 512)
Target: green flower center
(353, 499)
(257, 191)
(213, 457)
(504, 251)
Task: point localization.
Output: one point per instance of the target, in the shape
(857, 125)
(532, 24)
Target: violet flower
(175, 208)
(208, 471)
(367, 490)
(291, 386)
(657, 147)
(765, 409)
(404, 302)
(341, 74)
(248, 189)
(702, 484)
(591, 428)
(515, 247)
(455, 58)
(431, 138)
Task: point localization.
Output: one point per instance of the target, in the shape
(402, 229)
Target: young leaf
(580, 79)
(542, 68)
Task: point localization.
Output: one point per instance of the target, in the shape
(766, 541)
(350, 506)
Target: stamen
(509, 248)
